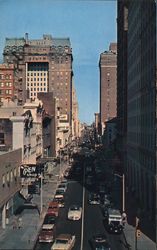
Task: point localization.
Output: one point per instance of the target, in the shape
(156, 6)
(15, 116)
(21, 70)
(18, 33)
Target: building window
(15, 172)
(3, 180)
(2, 139)
(2, 84)
(11, 176)
(8, 179)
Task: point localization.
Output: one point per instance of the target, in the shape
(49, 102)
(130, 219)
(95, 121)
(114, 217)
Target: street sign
(138, 233)
(29, 171)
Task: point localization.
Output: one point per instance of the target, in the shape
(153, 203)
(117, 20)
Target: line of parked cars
(48, 231)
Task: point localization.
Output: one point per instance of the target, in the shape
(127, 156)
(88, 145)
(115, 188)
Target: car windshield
(60, 241)
(49, 220)
(46, 230)
(74, 208)
(53, 208)
(115, 223)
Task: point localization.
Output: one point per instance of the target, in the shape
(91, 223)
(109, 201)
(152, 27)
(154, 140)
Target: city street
(92, 223)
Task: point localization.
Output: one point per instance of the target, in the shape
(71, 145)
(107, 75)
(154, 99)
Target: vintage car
(59, 194)
(60, 201)
(99, 242)
(64, 242)
(47, 233)
(94, 199)
(53, 208)
(74, 212)
(50, 219)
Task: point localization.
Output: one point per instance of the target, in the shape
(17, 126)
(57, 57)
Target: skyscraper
(108, 85)
(42, 65)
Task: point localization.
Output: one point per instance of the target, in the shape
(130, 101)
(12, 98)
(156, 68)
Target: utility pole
(137, 232)
(123, 193)
(41, 194)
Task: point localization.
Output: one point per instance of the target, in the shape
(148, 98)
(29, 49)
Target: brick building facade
(43, 65)
(108, 85)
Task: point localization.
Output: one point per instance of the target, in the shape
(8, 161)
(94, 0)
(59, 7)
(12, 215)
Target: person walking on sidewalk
(20, 223)
(14, 223)
(124, 218)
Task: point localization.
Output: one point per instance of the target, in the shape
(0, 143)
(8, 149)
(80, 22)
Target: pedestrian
(20, 223)
(124, 218)
(14, 223)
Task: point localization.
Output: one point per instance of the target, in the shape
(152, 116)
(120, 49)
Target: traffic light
(138, 233)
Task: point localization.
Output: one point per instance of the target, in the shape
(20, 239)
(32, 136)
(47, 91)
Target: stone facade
(141, 123)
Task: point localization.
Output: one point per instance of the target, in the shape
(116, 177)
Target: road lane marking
(83, 202)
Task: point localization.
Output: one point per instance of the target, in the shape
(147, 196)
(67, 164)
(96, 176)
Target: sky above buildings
(90, 25)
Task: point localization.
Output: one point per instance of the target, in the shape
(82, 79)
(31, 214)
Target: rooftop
(47, 40)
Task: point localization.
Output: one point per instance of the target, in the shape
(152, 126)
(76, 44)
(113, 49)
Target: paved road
(93, 221)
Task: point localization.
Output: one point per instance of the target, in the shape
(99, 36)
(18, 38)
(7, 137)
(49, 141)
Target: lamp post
(123, 177)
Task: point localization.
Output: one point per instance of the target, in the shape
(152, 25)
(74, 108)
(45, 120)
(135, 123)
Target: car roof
(48, 226)
(64, 236)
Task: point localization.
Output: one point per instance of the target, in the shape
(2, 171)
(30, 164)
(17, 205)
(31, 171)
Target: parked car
(47, 233)
(62, 187)
(99, 242)
(64, 242)
(59, 194)
(60, 201)
(49, 219)
(74, 212)
(94, 199)
(53, 208)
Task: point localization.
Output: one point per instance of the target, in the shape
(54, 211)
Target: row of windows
(34, 84)
(7, 91)
(36, 79)
(2, 76)
(8, 84)
(38, 89)
(8, 177)
(36, 74)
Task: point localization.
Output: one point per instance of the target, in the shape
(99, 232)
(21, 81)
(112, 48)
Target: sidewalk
(26, 237)
(143, 242)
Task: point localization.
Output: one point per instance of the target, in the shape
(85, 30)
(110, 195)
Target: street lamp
(123, 177)
(41, 194)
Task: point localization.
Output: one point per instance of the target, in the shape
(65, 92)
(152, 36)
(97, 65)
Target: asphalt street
(92, 224)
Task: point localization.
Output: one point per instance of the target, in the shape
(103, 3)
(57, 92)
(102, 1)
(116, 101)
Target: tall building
(141, 121)
(108, 85)
(122, 76)
(43, 65)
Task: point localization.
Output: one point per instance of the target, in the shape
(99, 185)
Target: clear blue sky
(90, 25)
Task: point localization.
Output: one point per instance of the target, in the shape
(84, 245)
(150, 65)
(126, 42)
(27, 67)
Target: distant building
(42, 65)
(75, 118)
(110, 133)
(108, 85)
(6, 82)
